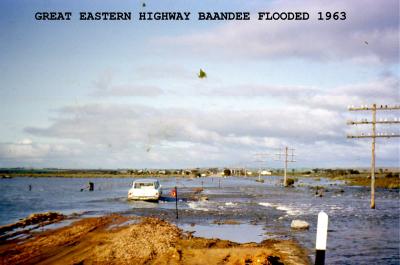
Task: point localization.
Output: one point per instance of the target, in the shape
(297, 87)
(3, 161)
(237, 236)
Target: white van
(145, 189)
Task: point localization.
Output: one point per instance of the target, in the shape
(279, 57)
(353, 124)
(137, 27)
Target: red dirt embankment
(109, 240)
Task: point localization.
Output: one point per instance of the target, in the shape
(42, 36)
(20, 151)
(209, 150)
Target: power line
(374, 134)
(286, 160)
(374, 106)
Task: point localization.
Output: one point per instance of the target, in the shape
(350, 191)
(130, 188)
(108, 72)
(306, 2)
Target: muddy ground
(116, 239)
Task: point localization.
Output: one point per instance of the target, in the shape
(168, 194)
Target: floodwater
(357, 234)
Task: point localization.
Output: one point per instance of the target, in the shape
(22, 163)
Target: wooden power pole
(286, 160)
(373, 135)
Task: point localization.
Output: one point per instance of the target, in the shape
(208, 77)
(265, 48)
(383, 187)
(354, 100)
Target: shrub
(290, 182)
(227, 172)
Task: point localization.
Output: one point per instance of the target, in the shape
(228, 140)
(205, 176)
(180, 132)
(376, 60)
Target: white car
(145, 189)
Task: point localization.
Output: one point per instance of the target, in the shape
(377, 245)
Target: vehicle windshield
(144, 185)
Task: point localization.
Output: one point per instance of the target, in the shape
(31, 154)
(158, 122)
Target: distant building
(266, 173)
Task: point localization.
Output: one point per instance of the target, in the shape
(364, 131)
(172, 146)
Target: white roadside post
(322, 235)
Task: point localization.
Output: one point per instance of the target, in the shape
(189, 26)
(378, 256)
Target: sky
(125, 94)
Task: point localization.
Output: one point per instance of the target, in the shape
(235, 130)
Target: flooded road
(357, 234)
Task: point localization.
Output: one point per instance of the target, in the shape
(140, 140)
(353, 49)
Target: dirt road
(116, 239)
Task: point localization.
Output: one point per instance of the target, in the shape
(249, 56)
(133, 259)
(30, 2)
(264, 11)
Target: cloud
(131, 90)
(383, 90)
(25, 142)
(349, 153)
(105, 87)
(147, 134)
(27, 150)
(364, 37)
(380, 91)
(121, 125)
(253, 90)
(311, 120)
(164, 71)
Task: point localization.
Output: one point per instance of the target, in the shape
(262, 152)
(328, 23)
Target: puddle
(54, 225)
(241, 233)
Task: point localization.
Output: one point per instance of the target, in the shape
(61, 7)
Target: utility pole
(260, 158)
(286, 161)
(374, 135)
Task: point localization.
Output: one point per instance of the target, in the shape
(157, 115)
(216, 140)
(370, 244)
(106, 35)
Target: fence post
(176, 202)
(322, 235)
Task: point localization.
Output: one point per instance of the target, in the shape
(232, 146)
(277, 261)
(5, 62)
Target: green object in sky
(202, 74)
